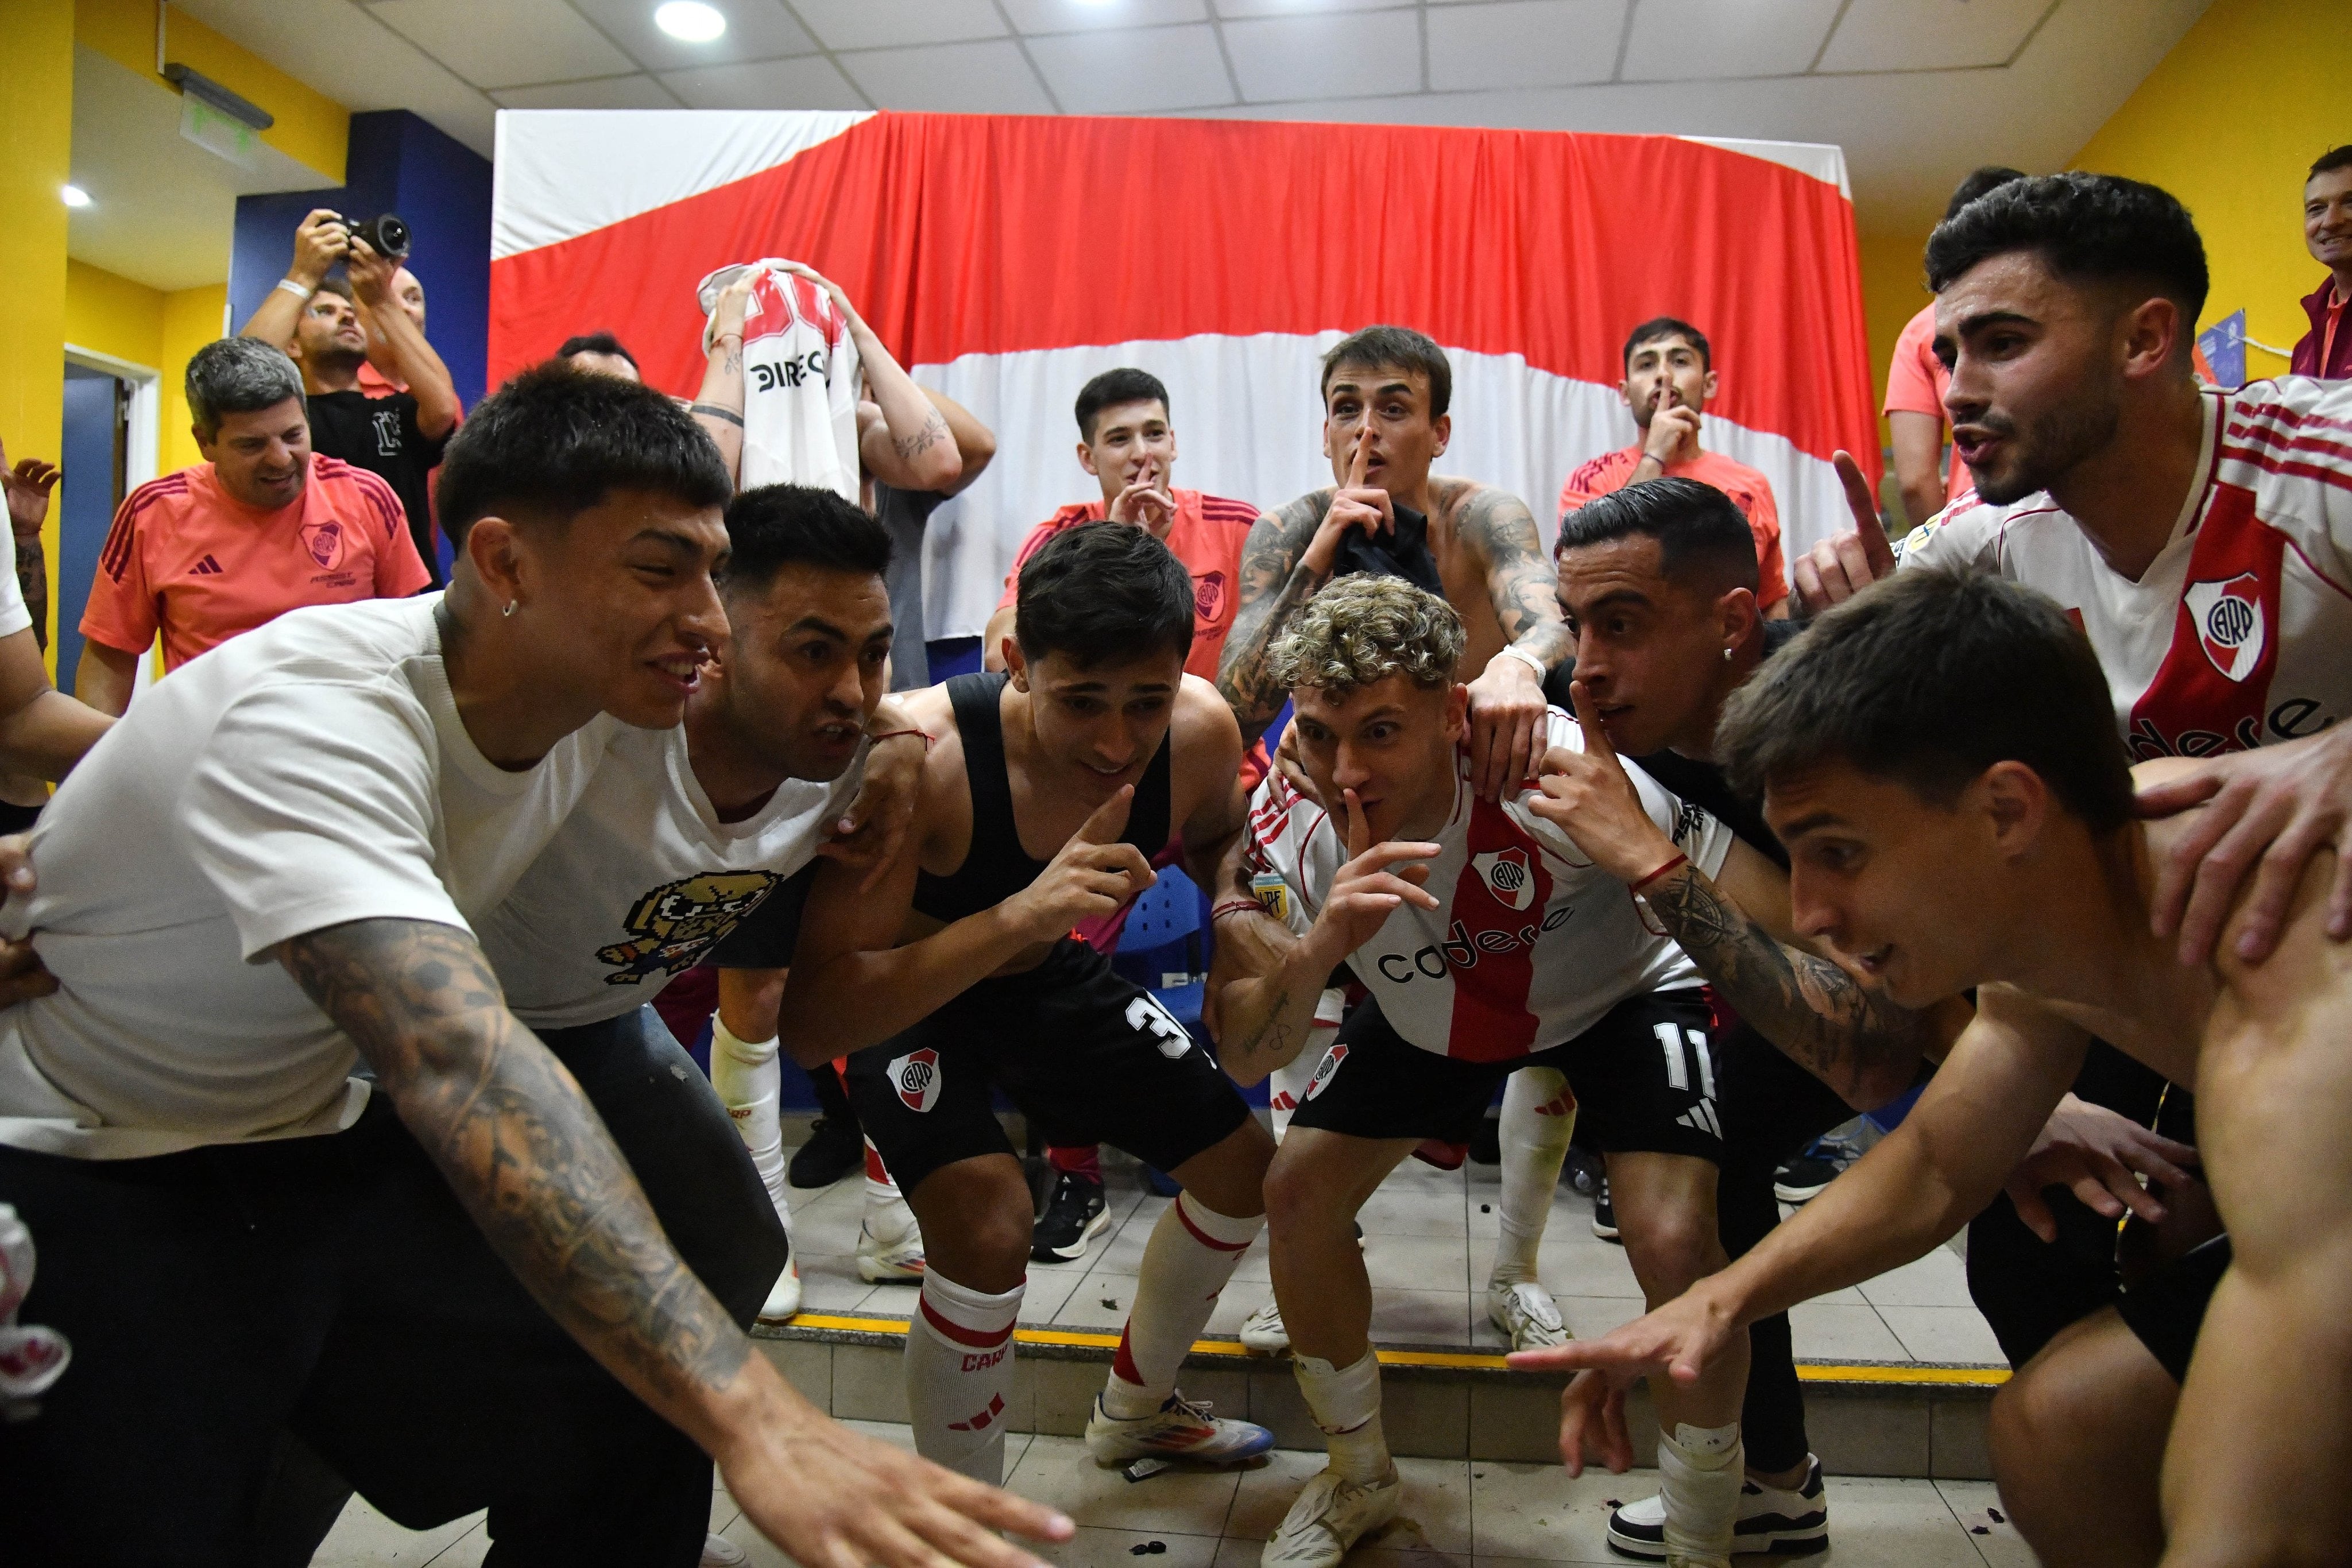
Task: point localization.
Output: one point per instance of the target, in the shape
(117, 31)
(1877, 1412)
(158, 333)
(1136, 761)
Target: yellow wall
(192, 318)
(148, 326)
(312, 128)
(2227, 122)
(36, 147)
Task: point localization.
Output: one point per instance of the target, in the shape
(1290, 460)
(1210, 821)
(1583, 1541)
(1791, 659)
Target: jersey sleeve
(428, 448)
(122, 609)
(14, 616)
(1273, 852)
(1586, 483)
(1696, 831)
(1911, 372)
(314, 804)
(1965, 533)
(1771, 566)
(399, 569)
(2290, 442)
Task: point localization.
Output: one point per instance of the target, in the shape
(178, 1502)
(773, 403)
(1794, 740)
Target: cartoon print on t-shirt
(679, 921)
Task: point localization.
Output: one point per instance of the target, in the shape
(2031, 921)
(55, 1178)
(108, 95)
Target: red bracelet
(1235, 906)
(1679, 861)
(894, 734)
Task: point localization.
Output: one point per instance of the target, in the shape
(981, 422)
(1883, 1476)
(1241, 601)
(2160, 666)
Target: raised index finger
(1108, 821)
(1359, 832)
(1363, 455)
(1596, 734)
(1875, 547)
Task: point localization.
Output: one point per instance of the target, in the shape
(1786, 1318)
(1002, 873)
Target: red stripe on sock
(1203, 1238)
(873, 1169)
(977, 1339)
(1123, 1365)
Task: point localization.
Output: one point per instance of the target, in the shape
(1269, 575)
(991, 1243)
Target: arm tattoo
(1524, 586)
(934, 430)
(1815, 1011)
(1274, 583)
(1273, 1039)
(522, 1147)
(33, 577)
(712, 411)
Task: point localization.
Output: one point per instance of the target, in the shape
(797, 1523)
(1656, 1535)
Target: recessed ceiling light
(691, 21)
(75, 197)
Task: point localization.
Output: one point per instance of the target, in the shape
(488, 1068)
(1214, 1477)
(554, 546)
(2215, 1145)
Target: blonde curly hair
(1360, 629)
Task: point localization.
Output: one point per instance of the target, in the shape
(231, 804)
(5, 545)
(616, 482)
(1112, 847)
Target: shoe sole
(877, 1273)
(1799, 1194)
(1076, 1249)
(1782, 1542)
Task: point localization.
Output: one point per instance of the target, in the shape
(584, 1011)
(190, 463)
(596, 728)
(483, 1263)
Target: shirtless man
(1939, 758)
(1386, 390)
(1048, 789)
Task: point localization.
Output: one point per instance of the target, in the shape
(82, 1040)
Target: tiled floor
(1458, 1514)
(1429, 1237)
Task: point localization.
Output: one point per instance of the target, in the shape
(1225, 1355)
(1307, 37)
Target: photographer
(316, 320)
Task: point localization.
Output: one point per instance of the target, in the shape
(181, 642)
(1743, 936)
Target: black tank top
(996, 867)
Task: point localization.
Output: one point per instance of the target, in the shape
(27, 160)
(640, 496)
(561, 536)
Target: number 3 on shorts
(1145, 1012)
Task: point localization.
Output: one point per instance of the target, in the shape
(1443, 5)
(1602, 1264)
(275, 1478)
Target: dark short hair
(1401, 347)
(1103, 593)
(2094, 228)
(1699, 528)
(596, 343)
(1977, 183)
(777, 525)
(554, 440)
(2334, 159)
(335, 283)
(1658, 327)
(1112, 388)
(1930, 678)
(238, 375)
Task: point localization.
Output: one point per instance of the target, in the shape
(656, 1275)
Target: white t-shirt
(2240, 633)
(643, 879)
(13, 615)
(311, 772)
(800, 379)
(1531, 943)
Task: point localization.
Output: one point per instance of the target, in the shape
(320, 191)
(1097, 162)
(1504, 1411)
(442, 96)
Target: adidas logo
(207, 567)
(982, 1422)
(1701, 1118)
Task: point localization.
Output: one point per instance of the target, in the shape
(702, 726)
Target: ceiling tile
(339, 49)
(810, 82)
(880, 24)
(956, 79)
(1094, 16)
(1327, 56)
(1930, 35)
(1523, 43)
(1691, 40)
(1297, 7)
(510, 43)
(638, 91)
(1137, 70)
(756, 30)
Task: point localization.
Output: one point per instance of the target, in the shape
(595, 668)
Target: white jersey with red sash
(1529, 944)
(2240, 633)
(801, 380)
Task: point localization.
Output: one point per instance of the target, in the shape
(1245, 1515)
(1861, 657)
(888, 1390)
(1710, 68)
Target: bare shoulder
(2307, 978)
(1484, 514)
(1207, 741)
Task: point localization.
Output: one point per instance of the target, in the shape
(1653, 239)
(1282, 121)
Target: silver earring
(1727, 652)
(509, 610)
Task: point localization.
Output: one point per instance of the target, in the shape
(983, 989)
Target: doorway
(109, 450)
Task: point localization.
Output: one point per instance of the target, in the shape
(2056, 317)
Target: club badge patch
(2228, 617)
(916, 1077)
(1325, 1071)
(1508, 876)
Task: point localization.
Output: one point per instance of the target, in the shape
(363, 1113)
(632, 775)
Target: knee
(1672, 1248)
(977, 1234)
(2034, 1420)
(1232, 1177)
(1295, 1200)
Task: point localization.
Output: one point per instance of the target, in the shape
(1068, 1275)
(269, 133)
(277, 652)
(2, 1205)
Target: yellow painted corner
(312, 129)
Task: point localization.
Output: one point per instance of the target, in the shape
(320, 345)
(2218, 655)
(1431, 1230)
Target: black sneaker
(1770, 1520)
(1800, 1180)
(1075, 1215)
(832, 1151)
(1604, 1214)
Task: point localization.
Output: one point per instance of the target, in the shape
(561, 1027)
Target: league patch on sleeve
(1272, 893)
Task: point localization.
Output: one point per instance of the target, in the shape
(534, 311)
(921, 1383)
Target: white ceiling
(1918, 91)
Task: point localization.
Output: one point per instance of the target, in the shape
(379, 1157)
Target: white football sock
(1699, 1475)
(881, 1186)
(1539, 1119)
(1346, 1403)
(1287, 1084)
(1192, 1254)
(749, 1078)
(960, 1376)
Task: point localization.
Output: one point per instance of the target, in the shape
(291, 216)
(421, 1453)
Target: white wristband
(1515, 652)
(295, 290)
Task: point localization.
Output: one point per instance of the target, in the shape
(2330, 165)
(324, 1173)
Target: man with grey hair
(262, 526)
(1488, 944)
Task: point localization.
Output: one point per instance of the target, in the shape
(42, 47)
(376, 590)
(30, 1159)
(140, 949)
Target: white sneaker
(718, 1552)
(1262, 1331)
(1525, 1311)
(1771, 1519)
(890, 1244)
(783, 1298)
(1179, 1430)
(1330, 1516)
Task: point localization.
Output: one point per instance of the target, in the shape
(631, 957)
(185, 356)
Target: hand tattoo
(1274, 585)
(32, 579)
(1859, 1044)
(522, 1147)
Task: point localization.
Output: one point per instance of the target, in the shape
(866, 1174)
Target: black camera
(386, 235)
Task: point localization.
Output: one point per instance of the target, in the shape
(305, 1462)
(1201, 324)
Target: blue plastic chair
(1165, 921)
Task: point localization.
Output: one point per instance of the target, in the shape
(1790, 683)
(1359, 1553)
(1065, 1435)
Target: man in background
(600, 353)
(397, 435)
(1670, 378)
(1915, 384)
(379, 374)
(2326, 350)
(262, 526)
